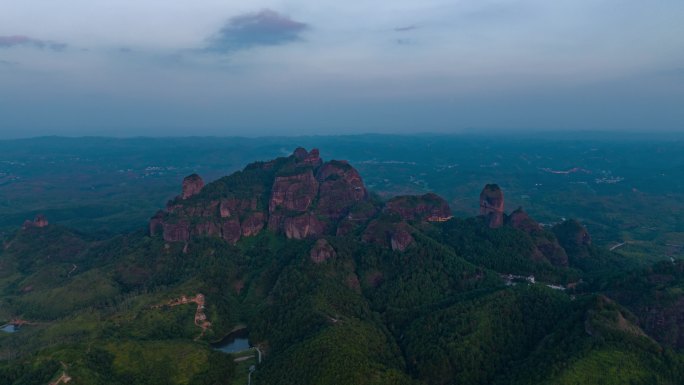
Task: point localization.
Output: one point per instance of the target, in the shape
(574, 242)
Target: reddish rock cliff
(253, 223)
(340, 188)
(299, 196)
(429, 207)
(311, 158)
(303, 226)
(492, 205)
(394, 235)
(192, 185)
(176, 232)
(520, 220)
(231, 231)
(293, 192)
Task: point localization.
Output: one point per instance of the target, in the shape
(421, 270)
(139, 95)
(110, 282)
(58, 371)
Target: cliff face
(492, 205)
(299, 196)
(390, 234)
(340, 188)
(429, 207)
(192, 185)
(293, 193)
(391, 229)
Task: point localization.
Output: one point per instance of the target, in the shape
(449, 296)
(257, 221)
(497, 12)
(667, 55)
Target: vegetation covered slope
(393, 298)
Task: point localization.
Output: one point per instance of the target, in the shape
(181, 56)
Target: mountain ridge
(335, 287)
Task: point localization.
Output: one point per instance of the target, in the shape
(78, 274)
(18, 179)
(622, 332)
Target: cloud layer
(295, 66)
(263, 28)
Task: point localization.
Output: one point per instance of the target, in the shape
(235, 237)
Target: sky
(268, 67)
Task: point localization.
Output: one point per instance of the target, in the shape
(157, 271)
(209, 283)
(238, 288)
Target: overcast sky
(262, 67)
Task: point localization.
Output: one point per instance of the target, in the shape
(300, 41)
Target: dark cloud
(264, 28)
(406, 28)
(25, 41)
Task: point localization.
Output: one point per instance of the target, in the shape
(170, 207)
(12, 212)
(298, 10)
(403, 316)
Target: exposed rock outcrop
(401, 238)
(341, 187)
(300, 196)
(253, 223)
(322, 251)
(192, 185)
(547, 246)
(571, 234)
(231, 231)
(200, 315)
(429, 207)
(303, 226)
(176, 232)
(394, 235)
(575, 240)
(520, 220)
(492, 205)
(294, 192)
(311, 158)
(284, 194)
(39, 222)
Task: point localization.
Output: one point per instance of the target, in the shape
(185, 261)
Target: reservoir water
(234, 342)
(9, 328)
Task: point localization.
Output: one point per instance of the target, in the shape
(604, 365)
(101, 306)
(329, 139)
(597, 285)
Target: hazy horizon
(270, 67)
(580, 134)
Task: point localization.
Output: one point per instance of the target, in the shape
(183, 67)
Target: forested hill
(334, 285)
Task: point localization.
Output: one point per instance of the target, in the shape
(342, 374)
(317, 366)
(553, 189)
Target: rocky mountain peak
(520, 220)
(192, 185)
(308, 157)
(299, 196)
(492, 205)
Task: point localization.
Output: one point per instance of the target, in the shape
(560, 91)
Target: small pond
(9, 328)
(234, 342)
